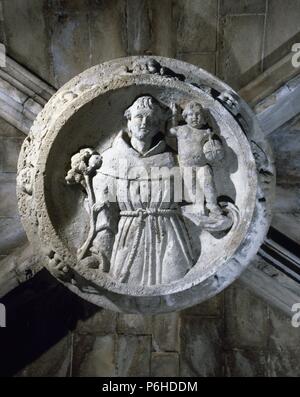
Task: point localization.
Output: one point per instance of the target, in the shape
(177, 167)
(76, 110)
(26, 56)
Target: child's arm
(172, 132)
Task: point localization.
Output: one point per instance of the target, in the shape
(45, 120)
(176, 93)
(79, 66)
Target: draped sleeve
(107, 213)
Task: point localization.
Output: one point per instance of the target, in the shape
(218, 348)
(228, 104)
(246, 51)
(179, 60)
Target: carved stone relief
(147, 183)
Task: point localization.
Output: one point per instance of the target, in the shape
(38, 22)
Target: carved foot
(96, 261)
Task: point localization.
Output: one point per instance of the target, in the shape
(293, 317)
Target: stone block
(240, 59)
(7, 130)
(246, 363)
(97, 321)
(8, 199)
(284, 363)
(73, 6)
(212, 307)
(107, 24)
(133, 355)
(288, 224)
(9, 153)
(196, 26)
(282, 29)
(205, 61)
(231, 7)
(55, 362)
(69, 45)
(134, 324)
(138, 27)
(164, 364)
(201, 347)
(163, 28)
(12, 234)
(286, 148)
(246, 317)
(94, 356)
(287, 198)
(26, 33)
(283, 336)
(165, 332)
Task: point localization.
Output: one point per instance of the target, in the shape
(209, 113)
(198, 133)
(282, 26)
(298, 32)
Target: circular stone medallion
(147, 184)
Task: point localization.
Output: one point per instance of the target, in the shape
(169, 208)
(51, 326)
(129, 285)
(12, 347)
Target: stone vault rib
(22, 95)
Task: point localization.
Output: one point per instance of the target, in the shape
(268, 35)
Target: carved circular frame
(37, 160)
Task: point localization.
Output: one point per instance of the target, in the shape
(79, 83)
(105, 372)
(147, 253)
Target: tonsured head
(144, 117)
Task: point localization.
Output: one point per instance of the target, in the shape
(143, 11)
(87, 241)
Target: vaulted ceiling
(248, 44)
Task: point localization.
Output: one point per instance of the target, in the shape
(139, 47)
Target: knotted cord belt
(149, 211)
(141, 214)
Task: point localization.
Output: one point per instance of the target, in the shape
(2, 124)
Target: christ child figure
(199, 147)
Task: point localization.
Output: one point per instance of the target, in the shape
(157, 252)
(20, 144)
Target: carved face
(143, 124)
(194, 118)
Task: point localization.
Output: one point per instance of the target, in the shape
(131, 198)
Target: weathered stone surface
(29, 40)
(139, 37)
(240, 58)
(108, 36)
(271, 285)
(94, 356)
(287, 203)
(213, 307)
(284, 342)
(56, 362)
(163, 28)
(246, 318)
(279, 108)
(9, 152)
(282, 334)
(134, 324)
(288, 223)
(284, 364)
(18, 267)
(111, 253)
(70, 53)
(286, 148)
(246, 363)
(164, 364)
(151, 28)
(97, 322)
(269, 81)
(197, 23)
(22, 96)
(282, 361)
(12, 235)
(8, 199)
(8, 130)
(165, 328)
(201, 347)
(287, 198)
(282, 29)
(231, 7)
(205, 61)
(133, 355)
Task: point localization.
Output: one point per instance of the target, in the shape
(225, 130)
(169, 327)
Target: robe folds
(138, 205)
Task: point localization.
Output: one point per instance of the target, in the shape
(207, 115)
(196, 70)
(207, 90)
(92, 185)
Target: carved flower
(83, 163)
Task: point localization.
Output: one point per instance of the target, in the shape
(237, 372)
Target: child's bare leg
(210, 191)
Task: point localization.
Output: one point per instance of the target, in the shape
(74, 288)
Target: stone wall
(11, 231)
(237, 39)
(51, 332)
(286, 147)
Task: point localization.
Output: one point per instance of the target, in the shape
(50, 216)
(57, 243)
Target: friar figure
(141, 233)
